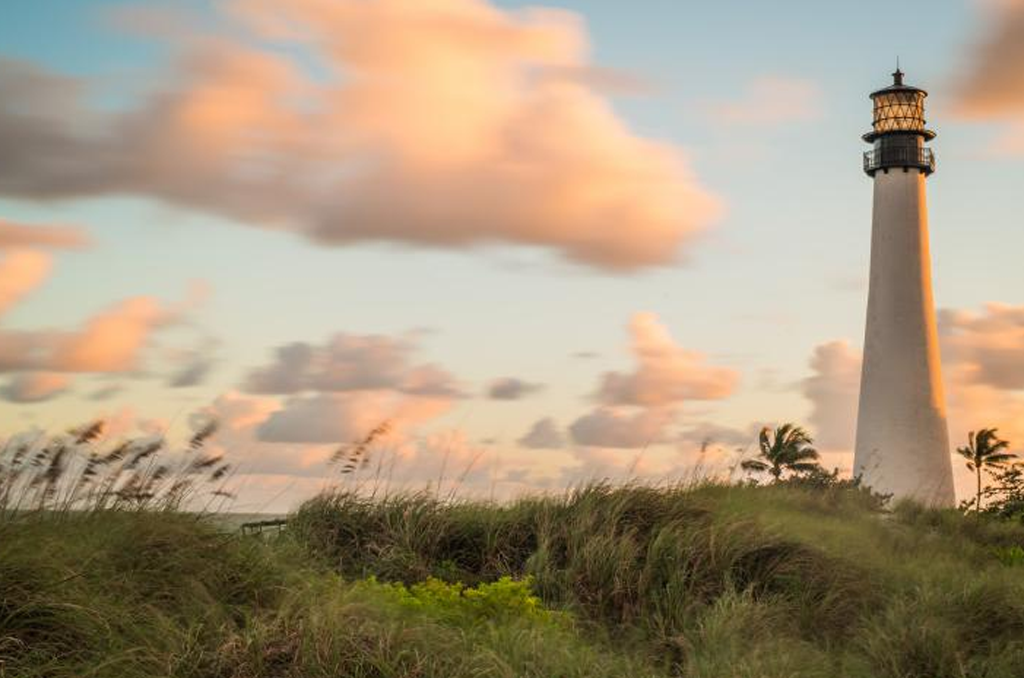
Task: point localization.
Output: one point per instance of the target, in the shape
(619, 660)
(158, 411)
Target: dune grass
(720, 581)
(709, 581)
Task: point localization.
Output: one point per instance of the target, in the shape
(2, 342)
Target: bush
(505, 599)
(829, 485)
(1011, 556)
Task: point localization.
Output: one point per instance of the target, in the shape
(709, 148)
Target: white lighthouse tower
(902, 439)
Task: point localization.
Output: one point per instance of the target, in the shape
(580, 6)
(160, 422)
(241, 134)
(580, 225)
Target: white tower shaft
(902, 439)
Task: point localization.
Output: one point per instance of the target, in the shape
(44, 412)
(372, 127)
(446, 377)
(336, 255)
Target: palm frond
(753, 465)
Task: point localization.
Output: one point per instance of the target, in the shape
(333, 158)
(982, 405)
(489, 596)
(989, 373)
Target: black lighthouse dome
(898, 130)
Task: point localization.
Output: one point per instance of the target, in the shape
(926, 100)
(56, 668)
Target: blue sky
(781, 272)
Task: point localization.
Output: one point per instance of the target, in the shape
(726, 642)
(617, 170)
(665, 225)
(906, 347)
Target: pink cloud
(457, 107)
(618, 427)
(21, 271)
(987, 347)
(544, 434)
(349, 362)
(33, 387)
(833, 390)
(235, 411)
(23, 266)
(346, 417)
(298, 437)
(13, 234)
(512, 388)
(991, 87)
(983, 371)
(111, 341)
(638, 407)
(666, 373)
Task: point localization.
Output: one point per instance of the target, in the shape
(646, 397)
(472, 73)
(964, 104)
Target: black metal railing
(899, 156)
(262, 526)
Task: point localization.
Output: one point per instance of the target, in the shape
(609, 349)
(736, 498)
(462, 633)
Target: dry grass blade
(71, 472)
(356, 455)
(144, 452)
(204, 462)
(220, 472)
(116, 454)
(203, 434)
(88, 433)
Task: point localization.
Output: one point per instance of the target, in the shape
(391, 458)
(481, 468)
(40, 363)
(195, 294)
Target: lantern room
(898, 130)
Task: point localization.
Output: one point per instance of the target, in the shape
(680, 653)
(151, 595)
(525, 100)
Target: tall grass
(136, 594)
(717, 580)
(80, 471)
(102, 574)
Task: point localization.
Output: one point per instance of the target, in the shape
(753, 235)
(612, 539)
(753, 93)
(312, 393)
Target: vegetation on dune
(79, 471)
(711, 580)
(809, 575)
(985, 451)
(788, 448)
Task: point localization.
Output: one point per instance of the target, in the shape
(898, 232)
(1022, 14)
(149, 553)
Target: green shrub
(504, 599)
(1011, 556)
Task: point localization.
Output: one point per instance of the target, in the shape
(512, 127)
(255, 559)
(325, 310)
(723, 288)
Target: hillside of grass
(635, 581)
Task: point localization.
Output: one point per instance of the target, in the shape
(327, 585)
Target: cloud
(618, 427)
(235, 411)
(23, 266)
(974, 406)
(443, 457)
(771, 100)
(991, 88)
(239, 417)
(106, 392)
(34, 387)
(14, 234)
(112, 341)
(499, 130)
(193, 364)
(637, 407)
(341, 390)
(706, 435)
(833, 390)
(348, 362)
(511, 388)
(983, 372)
(254, 134)
(666, 373)
(296, 438)
(544, 434)
(346, 417)
(21, 271)
(988, 348)
(193, 373)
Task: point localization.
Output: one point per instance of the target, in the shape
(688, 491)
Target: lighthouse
(902, 443)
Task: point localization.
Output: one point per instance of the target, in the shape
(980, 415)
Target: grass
(705, 581)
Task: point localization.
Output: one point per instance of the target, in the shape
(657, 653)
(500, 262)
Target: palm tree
(788, 449)
(984, 449)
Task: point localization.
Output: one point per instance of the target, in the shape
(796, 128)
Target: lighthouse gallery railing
(899, 156)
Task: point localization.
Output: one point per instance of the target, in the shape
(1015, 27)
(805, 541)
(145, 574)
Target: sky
(547, 243)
